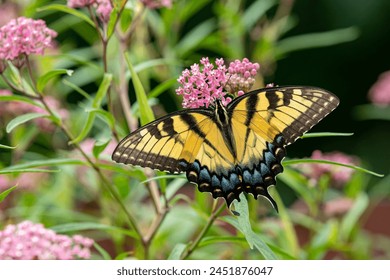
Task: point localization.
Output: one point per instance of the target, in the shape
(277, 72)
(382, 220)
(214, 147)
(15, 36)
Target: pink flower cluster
(13, 108)
(29, 241)
(103, 7)
(241, 76)
(379, 93)
(338, 174)
(202, 87)
(24, 36)
(156, 4)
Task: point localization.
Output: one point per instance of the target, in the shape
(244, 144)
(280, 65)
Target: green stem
(214, 215)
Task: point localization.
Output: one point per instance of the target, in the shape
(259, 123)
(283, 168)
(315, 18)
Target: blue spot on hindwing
(204, 175)
(234, 181)
(215, 181)
(247, 177)
(269, 158)
(226, 185)
(264, 169)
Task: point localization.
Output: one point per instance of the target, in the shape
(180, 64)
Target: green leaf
(44, 163)
(307, 160)
(99, 147)
(28, 170)
(195, 37)
(6, 147)
(68, 10)
(372, 112)
(105, 255)
(351, 219)
(23, 119)
(177, 251)
(74, 227)
(106, 116)
(44, 79)
(5, 193)
(255, 12)
(77, 89)
(101, 93)
(162, 87)
(325, 134)
(243, 225)
(298, 183)
(316, 40)
(19, 98)
(146, 113)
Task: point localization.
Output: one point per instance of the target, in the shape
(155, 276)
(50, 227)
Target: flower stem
(214, 215)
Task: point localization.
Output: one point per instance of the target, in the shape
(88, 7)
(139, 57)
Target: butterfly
(232, 149)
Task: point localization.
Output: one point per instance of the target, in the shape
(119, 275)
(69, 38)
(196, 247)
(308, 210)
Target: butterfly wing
(188, 141)
(264, 122)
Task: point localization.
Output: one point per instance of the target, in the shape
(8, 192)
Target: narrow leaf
(316, 40)
(28, 170)
(351, 219)
(146, 113)
(245, 227)
(44, 163)
(106, 256)
(255, 12)
(23, 119)
(19, 98)
(101, 93)
(325, 134)
(6, 147)
(68, 10)
(177, 251)
(307, 160)
(44, 79)
(90, 226)
(5, 193)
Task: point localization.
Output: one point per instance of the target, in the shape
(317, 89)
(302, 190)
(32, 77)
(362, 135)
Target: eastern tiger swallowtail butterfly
(232, 149)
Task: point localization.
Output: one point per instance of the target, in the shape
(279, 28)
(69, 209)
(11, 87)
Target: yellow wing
(176, 141)
(264, 122)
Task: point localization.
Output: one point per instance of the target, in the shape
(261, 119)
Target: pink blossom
(24, 36)
(29, 241)
(103, 10)
(202, 86)
(338, 174)
(379, 93)
(156, 4)
(80, 3)
(241, 76)
(103, 7)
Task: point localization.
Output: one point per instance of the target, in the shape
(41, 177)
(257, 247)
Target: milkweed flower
(29, 241)
(80, 3)
(103, 7)
(156, 4)
(338, 174)
(379, 93)
(203, 85)
(24, 36)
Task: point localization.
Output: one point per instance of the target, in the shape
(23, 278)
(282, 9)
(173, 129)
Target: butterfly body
(232, 149)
